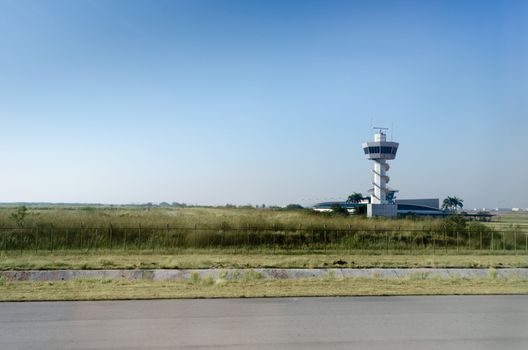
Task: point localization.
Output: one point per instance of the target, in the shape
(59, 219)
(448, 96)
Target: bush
(294, 207)
(19, 215)
(339, 210)
(195, 278)
(361, 210)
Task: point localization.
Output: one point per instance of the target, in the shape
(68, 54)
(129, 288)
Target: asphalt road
(449, 322)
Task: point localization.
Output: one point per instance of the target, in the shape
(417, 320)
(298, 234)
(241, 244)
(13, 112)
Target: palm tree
(355, 197)
(452, 203)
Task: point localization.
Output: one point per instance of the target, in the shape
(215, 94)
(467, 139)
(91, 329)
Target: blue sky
(215, 102)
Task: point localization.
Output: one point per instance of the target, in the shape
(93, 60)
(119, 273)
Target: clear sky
(214, 102)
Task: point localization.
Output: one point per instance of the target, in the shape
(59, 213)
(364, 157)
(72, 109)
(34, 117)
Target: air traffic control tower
(380, 151)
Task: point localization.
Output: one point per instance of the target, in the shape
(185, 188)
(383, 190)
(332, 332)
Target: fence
(168, 238)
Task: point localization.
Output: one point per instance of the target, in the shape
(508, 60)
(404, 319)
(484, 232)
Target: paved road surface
(453, 322)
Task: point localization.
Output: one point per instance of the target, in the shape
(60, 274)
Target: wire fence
(323, 239)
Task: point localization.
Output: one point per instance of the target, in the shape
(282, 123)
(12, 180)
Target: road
(439, 322)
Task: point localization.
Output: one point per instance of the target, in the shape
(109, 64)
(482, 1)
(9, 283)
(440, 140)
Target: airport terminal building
(382, 200)
(404, 207)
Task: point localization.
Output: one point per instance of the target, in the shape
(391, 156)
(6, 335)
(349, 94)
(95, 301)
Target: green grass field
(511, 221)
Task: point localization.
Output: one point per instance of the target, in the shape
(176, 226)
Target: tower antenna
(379, 128)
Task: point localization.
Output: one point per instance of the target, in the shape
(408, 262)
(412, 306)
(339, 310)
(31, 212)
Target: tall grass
(176, 228)
(203, 218)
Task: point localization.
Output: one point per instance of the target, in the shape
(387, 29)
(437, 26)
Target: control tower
(380, 151)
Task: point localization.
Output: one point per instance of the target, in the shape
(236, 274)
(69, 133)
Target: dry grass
(170, 229)
(124, 289)
(202, 217)
(222, 259)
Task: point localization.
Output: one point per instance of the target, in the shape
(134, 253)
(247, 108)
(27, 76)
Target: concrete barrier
(185, 274)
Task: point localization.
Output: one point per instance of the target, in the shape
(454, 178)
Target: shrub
(294, 207)
(492, 273)
(195, 278)
(251, 275)
(339, 210)
(19, 215)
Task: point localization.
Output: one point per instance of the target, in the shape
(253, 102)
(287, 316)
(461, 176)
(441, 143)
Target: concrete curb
(185, 274)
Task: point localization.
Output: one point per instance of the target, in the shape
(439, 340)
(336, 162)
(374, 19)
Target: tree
(361, 210)
(355, 197)
(457, 203)
(294, 207)
(452, 203)
(19, 215)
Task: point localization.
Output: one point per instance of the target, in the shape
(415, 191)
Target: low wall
(185, 274)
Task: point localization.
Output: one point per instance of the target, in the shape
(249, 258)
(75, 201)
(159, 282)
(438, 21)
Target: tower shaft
(380, 184)
(380, 151)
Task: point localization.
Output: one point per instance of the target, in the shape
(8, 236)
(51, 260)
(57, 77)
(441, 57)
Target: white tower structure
(380, 151)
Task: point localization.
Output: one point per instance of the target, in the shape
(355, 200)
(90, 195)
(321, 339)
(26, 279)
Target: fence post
(387, 241)
(301, 235)
(362, 241)
(412, 239)
(51, 237)
(67, 244)
(324, 237)
(111, 233)
(375, 234)
(125, 239)
(96, 235)
(480, 236)
(469, 238)
(349, 238)
(336, 240)
(515, 241)
(273, 241)
(491, 242)
(247, 237)
(434, 243)
(195, 239)
(167, 240)
(139, 237)
(36, 239)
(445, 239)
(81, 238)
(399, 239)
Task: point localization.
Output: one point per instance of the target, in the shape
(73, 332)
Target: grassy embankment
(147, 247)
(85, 289)
(84, 238)
(221, 259)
